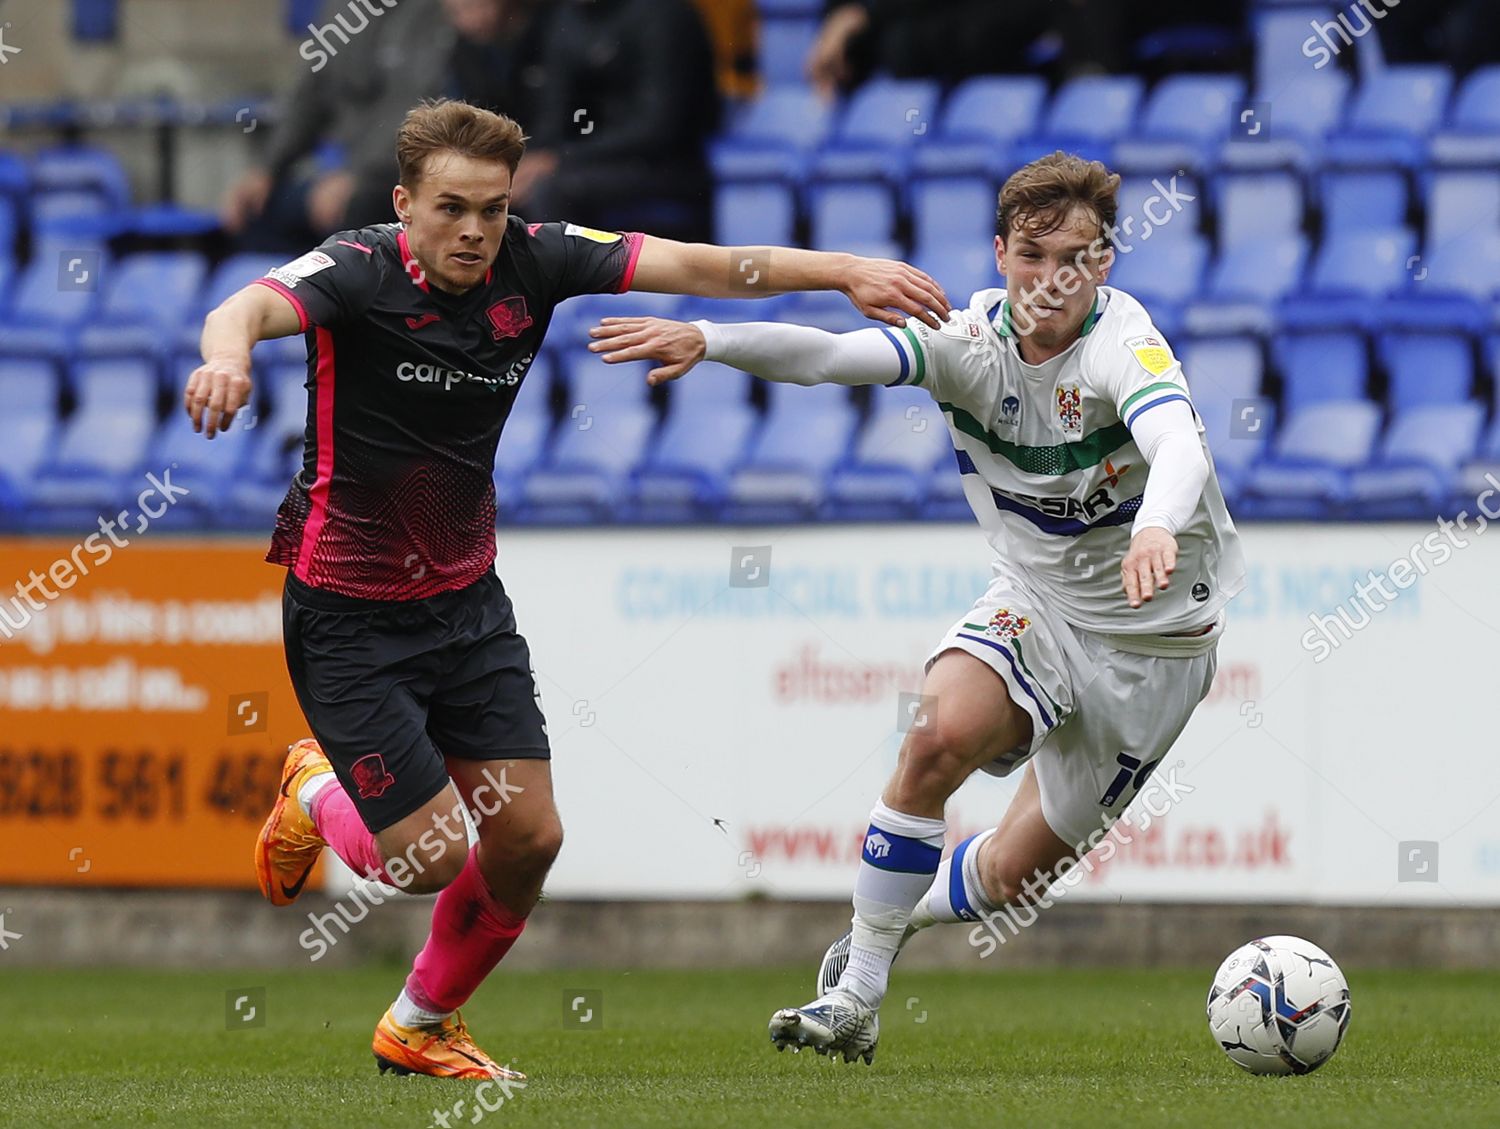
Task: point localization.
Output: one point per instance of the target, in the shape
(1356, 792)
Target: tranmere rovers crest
(1070, 407)
(1006, 624)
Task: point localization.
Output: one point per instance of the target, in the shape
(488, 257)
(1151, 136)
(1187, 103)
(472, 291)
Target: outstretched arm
(705, 270)
(1168, 438)
(790, 354)
(220, 386)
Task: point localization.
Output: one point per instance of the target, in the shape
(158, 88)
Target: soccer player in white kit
(1115, 556)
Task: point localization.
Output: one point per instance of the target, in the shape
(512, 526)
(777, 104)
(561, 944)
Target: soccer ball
(1279, 1005)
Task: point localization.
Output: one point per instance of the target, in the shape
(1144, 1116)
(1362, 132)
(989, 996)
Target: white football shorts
(1102, 717)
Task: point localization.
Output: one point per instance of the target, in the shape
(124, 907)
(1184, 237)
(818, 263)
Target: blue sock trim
(885, 850)
(958, 890)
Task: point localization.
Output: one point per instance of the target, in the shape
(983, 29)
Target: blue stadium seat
(754, 215)
(598, 443)
(235, 273)
(708, 427)
(806, 433)
(1163, 207)
(574, 317)
(1467, 266)
(1426, 368)
(784, 44)
(1300, 109)
(29, 391)
(1472, 134)
(82, 168)
(1392, 114)
(1185, 118)
(207, 468)
(784, 8)
(904, 443)
(885, 119)
(1461, 205)
(1361, 199)
(1480, 473)
(959, 268)
(1258, 206)
(275, 447)
(1162, 269)
(1362, 262)
(772, 136)
(1279, 37)
(1100, 107)
(1414, 471)
(102, 445)
(980, 121)
(523, 443)
(53, 297)
(1319, 367)
(1260, 270)
(1225, 375)
(1306, 474)
(953, 210)
(149, 306)
(842, 214)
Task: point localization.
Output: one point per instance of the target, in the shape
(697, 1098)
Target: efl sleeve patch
(1151, 353)
(309, 264)
(592, 233)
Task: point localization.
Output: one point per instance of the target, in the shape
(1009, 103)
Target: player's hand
(215, 391)
(677, 344)
(1146, 567)
(874, 284)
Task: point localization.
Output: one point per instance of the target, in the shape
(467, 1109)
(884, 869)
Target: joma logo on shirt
(447, 377)
(1096, 503)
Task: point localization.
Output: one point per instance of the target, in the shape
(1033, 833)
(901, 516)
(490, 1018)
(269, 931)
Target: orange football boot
(289, 845)
(444, 1051)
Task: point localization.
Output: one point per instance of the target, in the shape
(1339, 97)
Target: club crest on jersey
(370, 776)
(1006, 624)
(1010, 411)
(1070, 408)
(508, 317)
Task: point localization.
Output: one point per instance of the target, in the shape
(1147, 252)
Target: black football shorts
(390, 688)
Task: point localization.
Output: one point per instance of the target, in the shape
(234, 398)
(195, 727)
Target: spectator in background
(354, 93)
(951, 40)
(364, 75)
(497, 59)
(733, 27)
(628, 107)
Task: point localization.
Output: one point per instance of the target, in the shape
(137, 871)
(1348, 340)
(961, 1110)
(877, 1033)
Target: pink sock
(334, 815)
(471, 932)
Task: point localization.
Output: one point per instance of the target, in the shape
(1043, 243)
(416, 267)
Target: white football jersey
(1049, 465)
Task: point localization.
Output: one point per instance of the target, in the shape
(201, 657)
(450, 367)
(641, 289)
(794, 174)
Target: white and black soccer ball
(1279, 1005)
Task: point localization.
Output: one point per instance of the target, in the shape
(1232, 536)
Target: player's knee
(532, 846)
(934, 763)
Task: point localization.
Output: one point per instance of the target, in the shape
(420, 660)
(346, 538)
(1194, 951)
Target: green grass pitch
(1057, 1048)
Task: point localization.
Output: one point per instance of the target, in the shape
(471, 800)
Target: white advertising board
(711, 740)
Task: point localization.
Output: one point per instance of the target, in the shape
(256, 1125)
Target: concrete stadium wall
(188, 929)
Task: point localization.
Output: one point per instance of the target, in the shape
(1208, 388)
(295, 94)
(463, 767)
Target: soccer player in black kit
(400, 640)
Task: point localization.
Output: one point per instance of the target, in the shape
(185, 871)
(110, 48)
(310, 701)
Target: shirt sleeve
(954, 363)
(1141, 375)
(800, 354)
(1168, 439)
(584, 260)
(335, 283)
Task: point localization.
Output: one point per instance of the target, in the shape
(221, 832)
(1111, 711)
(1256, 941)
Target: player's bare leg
(973, 721)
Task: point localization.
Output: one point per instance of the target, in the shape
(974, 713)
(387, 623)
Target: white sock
(408, 1014)
(957, 894)
(310, 789)
(896, 867)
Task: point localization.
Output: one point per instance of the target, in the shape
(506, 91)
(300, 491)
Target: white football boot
(831, 1024)
(836, 959)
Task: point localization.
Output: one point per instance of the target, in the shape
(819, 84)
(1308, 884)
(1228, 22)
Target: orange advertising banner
(145, 710)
